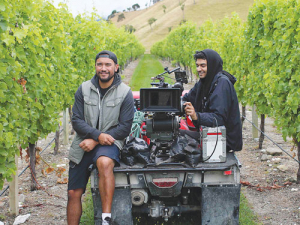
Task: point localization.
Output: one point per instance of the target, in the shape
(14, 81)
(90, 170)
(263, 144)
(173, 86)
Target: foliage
(273, 37)
(164, 7)
(45, 55)
(129, 28)
(247, 216)
(182, 8)
(151, 21)
(121, 17)
(135, 6)
(182, 22)
(262, 53)
(112, 15)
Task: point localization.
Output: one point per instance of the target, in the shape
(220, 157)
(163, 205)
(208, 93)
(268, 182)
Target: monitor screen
(160, 99)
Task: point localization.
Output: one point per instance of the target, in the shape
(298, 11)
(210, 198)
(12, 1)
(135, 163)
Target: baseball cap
(107, 54)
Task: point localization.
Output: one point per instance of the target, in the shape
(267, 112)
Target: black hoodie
(214, 66)
(216, 99)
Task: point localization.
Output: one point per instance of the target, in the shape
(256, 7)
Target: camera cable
(216, 142)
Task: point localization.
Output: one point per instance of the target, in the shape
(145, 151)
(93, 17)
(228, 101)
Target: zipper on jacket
(99, 125)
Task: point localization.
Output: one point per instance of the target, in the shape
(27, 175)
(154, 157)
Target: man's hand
(190, 110)
(88, 144)
(106, 139)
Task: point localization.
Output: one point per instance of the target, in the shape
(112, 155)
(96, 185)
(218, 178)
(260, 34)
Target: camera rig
(164, 107)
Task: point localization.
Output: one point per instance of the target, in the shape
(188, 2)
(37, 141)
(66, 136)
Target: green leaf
(28, 98)
(20, 33)
(9, 39)
(3, 86)
(2, 96)
(3, 25)
(2, 169)
(3, 68)
(298, 128)
(9, 136)
(2, 6)
(2, 160)
(24, 145)
(38, 105)
(3, 153)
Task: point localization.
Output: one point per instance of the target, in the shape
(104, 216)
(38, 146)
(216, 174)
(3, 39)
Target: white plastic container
(214, 144)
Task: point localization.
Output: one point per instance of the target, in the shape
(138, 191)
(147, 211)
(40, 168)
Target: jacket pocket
(91, 111)
(76, 153)
(112, 112)
(114, 102)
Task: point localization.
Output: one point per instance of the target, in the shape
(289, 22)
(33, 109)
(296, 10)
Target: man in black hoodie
(213, 100)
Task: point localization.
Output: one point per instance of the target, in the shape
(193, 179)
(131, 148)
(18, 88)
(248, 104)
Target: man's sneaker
(107, 221)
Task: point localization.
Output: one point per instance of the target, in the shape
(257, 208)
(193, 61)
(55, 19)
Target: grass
(88, 208)
(148, 67)
(247, 217)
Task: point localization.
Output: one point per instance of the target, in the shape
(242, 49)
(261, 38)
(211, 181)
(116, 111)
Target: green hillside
(199, 12)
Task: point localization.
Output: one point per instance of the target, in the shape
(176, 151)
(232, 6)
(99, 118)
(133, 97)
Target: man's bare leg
(74, 207)
(105, 167)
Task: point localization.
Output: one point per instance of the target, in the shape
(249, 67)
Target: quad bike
(202, 179)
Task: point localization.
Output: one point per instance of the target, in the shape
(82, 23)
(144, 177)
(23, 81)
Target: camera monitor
(160, 99)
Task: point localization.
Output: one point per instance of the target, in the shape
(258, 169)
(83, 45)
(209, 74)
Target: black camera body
(164, 106)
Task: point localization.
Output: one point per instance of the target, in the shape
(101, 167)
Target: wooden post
(32, 154)
(70, 117)
(243, 114)
(14, 192)
(191, 72)
(66, 126)
(298, 148)
(56, 140)
(262, 128)
(255, 121)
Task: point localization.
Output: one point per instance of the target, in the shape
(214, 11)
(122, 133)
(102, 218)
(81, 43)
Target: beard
(105, 80)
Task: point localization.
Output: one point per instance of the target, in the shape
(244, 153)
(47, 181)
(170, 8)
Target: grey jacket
(94, 114)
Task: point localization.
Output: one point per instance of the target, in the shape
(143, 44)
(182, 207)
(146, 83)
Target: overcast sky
(104, 7)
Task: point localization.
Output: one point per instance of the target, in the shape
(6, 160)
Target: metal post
(14, 191)
(255, 121)
(66, 126)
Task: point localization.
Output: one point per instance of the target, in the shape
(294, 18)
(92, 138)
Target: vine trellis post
(13, 192)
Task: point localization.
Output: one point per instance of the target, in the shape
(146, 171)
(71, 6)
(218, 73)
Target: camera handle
(161, 78)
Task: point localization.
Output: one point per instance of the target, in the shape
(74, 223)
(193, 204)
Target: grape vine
(45, 56)
(263, 53)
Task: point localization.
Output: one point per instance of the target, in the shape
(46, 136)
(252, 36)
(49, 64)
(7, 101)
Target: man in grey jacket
(102, 116)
